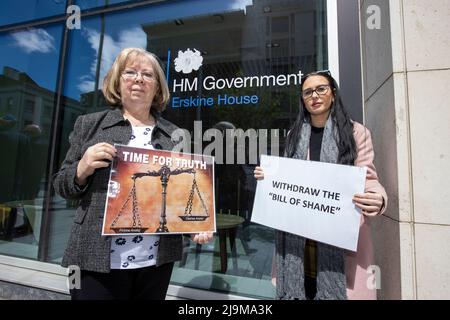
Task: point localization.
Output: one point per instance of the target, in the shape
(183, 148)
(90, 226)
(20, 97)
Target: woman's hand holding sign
(258, 173)
(95, 157)
(370, 203)
(202, 237)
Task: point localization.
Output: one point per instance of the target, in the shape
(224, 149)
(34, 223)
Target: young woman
(126, 267)
(323, 131)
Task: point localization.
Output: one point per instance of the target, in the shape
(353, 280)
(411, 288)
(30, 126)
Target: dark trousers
(149, 283)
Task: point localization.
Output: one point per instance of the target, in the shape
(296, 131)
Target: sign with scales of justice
(159, 192)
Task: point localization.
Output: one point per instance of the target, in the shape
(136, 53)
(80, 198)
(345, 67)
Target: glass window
(79, 97)
(91, 4)
(15, 11)
(29, 67)
(29, 106)
(251, 54)
(9, 104)
(249, 44)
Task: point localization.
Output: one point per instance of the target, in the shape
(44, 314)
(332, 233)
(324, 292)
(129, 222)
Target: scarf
(290, 248)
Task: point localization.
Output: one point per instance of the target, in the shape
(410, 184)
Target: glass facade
(98, 4)
(252, 52)
(22, 11)
(29, 64)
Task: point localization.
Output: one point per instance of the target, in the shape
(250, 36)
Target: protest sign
(155, 191)
(310, 199)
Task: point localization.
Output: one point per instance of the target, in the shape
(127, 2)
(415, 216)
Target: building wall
(406, 78)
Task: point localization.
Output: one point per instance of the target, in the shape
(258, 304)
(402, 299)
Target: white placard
(311, 199)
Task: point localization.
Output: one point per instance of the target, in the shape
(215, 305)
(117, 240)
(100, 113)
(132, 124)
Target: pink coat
(357, 263)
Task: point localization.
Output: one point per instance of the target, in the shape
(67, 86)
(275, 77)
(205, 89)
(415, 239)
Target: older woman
(123, 267)
(323, 131)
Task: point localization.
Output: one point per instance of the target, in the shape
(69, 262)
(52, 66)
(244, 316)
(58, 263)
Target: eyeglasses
(132, 75)
(320, 90)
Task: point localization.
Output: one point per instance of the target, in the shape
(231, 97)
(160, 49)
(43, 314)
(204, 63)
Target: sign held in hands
(311, 199)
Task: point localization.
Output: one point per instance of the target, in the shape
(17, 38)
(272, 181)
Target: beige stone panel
(429, 111)
(402, 129)
(427, 29)
(397, 35)
(407, 258)
(433, 261)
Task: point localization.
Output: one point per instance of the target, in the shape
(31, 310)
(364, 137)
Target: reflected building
(267, 38)
(264, 38)
(29, 102)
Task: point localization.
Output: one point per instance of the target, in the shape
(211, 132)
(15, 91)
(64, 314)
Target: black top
(315, 143)
(310, 260)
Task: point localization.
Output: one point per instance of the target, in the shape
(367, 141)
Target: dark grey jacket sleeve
(64, 179)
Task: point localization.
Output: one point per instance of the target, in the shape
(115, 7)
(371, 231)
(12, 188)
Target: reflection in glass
(25, 10)
(82, 76)
(28, 64)
(91, 4)
(260, 38)
(234, 39)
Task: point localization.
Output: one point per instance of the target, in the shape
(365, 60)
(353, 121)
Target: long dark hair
(341, 120)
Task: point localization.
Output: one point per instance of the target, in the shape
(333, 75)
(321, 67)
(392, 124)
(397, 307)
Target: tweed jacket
(87, 248)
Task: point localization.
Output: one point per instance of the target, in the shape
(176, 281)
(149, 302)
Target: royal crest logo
(188, 61)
